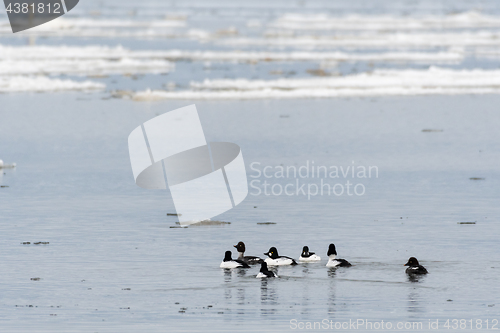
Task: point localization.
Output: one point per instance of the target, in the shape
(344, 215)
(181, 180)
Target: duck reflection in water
(332, 307)
(268, 297)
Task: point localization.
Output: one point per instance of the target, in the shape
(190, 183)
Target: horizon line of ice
(469, 19)
(393, 40)
(10, 84)
(434, 80)
(112, 53)
(83, 67)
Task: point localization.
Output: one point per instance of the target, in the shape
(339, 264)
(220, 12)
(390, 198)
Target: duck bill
(266, 253)
(406, 264)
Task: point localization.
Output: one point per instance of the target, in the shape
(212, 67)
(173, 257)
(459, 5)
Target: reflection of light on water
(414, 306)
(241, 299)
(227, 279)
(413, 303)
(332, 272)
(305, 307)
(414, 294)
(228, 288)
(268, 296)
(331, 290)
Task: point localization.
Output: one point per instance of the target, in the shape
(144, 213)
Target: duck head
(240, 247)
(227, 256)
(331, 250)
(412, 262)
(272, 253)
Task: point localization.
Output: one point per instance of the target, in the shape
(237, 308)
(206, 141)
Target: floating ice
(83, 27)
(83, 67)
(85, 60)
(470, 19)
(63, 23)
(113, 53)
(371, 39)
(378, 83)
(6, 166)
(44, 84)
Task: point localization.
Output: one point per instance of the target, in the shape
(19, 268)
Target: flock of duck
(274, 259)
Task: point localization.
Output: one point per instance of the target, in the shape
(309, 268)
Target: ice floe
(63, 23)
(79, 61)
(83, 67)
(113, 53)
(394, 40)
(10, 84)
(469, 20)
(379, 82)
(86, 27)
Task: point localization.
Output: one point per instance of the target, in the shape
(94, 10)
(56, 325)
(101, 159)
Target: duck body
(228, 262)
(414, 267)
(251, 260)
(332, 262)
(307, 256)
(281, 261)
(265, 272)
(332, 258)
(274, 259)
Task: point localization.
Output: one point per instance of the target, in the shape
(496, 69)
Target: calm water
(115, 264)
(73, 188)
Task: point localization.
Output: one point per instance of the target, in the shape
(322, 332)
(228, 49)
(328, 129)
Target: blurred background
(151, 50)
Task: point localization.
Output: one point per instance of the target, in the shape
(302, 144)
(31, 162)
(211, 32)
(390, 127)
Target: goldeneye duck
(240, 247)
(228, 262)
(308, 256)
(265, 272)
(415, 267)
(277, 260)
(332, 258)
